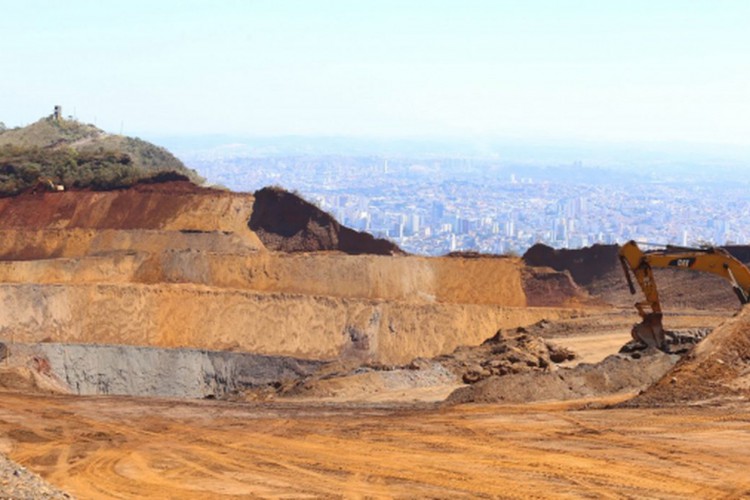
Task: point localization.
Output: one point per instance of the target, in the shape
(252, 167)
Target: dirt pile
(585, 265)
(287, 223)
(507, 352)
(634, 368)
(17, 482)
(422, 380)
(675, 342)
(613, 375)
(546, 287)
(717, 367)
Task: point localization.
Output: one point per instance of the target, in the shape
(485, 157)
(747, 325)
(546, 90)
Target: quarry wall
(88, 369)
(303, 326)
(174, 265)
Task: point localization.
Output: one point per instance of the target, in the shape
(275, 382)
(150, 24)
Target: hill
(78, 155)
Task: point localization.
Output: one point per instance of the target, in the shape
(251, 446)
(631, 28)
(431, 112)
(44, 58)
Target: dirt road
(122, 448)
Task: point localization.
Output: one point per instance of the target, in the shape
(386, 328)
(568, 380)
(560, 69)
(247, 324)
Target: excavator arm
(640, 264)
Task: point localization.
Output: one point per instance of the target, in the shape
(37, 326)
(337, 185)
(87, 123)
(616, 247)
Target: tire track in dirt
(120, 448)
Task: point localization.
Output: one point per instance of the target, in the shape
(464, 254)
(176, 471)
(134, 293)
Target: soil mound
(585, 265)
(508, 352)
(287, 223)
(634, 368)
(614, 374)
(545, 287)
(717, 367)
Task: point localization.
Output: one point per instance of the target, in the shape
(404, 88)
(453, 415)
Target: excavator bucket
(649, 331)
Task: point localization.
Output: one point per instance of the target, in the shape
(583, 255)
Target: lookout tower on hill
(57, 114)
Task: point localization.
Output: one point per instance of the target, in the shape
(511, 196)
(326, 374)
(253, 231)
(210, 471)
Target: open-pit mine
(173, 341)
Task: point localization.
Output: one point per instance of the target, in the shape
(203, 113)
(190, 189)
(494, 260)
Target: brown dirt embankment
(402, 278)
(287, 223)
(170, 206)
(103, 267)
(222, 260)
(585, 265)
(45, 244)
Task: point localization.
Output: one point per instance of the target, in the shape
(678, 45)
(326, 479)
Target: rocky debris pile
(18, 483)
(718, 367)
(615, 374)
(635, 368)
(285, 222)
(508, 352)
(676, 342)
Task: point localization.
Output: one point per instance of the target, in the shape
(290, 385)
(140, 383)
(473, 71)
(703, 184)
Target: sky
(657, 71)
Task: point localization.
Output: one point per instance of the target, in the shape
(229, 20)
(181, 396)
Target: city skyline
(439, 205)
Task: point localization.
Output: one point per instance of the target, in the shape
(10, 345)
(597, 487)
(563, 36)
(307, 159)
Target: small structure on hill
(57, 114)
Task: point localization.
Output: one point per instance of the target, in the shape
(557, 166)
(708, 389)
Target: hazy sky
(597, 70)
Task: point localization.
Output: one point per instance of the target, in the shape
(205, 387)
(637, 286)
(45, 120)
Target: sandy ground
(124, 448)
(106, 447)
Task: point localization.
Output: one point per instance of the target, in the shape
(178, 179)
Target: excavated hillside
(173, 265)
(598, 270)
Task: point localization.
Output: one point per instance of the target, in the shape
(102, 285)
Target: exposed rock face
(287, 223)
(146, 371)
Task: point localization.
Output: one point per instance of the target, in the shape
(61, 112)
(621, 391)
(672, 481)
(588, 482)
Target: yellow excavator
(710, 260)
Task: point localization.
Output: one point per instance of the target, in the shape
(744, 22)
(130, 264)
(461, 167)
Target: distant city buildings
(441, 205)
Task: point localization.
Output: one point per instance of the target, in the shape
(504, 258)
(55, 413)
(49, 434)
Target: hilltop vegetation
(78, 155)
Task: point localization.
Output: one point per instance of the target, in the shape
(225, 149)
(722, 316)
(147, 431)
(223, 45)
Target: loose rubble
(507, 352)
(634, 368)
(18, 483)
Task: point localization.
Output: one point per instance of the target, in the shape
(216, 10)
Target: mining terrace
(175, 341)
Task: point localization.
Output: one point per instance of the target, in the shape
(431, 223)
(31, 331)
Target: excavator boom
(711, 260)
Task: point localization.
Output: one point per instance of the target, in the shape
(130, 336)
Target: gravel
(17, 482)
